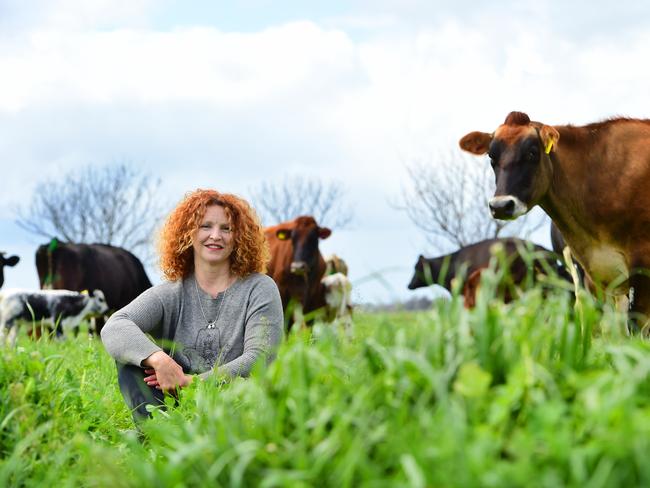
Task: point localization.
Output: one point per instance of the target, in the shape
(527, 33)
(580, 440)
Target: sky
(228, 95)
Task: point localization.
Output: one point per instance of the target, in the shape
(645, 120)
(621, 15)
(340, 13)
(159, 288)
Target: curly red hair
(250, 253)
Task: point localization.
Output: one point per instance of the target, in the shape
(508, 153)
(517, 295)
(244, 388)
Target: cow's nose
(298, 267)
(502, 207)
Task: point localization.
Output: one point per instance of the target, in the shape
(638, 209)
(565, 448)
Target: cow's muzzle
(507, 207)
(299, 268)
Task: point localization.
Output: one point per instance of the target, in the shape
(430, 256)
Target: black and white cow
(4, 261)
(64, 308)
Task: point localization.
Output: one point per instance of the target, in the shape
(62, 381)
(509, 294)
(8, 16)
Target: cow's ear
(324, 232)
(12, 261)
(476, 142)
(549, 136)
(283, 234)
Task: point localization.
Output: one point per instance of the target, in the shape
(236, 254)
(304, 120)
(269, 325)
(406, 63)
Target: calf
(338, 298)
(64, 308)
(4, 261)
(335, 264)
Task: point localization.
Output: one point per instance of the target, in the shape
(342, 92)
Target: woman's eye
(225, 229)
(204, 226)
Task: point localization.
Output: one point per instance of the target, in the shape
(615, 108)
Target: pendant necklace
(211, 323)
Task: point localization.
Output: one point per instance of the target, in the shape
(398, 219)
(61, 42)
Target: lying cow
(64, 308)
(470, 259)
(4, 261)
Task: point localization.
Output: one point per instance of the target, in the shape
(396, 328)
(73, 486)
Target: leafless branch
(447, 199)
(301, 195)
(113, 204)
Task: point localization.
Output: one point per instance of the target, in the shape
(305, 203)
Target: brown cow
(297, 265)
(471, 286)
(592, 181)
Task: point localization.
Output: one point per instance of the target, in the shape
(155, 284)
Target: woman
(217, 313)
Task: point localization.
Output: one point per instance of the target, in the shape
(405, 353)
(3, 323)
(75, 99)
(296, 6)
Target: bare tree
(300, 195)
(447, 199)
(114, 204)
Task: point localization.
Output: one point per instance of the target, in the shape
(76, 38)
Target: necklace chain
(211, 324)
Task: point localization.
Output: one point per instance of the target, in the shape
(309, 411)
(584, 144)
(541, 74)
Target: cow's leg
(3, 331)
(639, 310)
(137, 394)
(13, 332)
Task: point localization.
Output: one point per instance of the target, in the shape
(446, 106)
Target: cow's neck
(564, 203)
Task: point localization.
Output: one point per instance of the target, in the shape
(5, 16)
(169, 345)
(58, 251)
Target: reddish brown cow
(297, 265)
(470, 288)
(592, 181)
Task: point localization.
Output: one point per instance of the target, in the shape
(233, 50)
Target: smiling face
(213, 241)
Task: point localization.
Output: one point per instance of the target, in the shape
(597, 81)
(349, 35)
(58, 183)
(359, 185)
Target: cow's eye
(531, 155)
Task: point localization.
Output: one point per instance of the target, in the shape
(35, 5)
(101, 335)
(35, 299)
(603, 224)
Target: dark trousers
(137, 394)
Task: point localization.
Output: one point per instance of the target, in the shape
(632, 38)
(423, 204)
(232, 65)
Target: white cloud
(195, 64)
(19, 16)
(202, 107)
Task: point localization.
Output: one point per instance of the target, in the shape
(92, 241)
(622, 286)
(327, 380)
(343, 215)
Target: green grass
(526, 394)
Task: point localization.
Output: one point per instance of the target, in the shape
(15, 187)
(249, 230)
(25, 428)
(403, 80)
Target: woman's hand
(164, 373)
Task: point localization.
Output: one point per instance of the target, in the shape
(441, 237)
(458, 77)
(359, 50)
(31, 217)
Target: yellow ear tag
(84, 292)
(549, 146)
(282, 236)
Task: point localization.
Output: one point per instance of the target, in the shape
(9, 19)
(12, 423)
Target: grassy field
(527, 394)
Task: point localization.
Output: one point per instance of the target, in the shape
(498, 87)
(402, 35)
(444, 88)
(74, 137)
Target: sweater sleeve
(263, 330)
(124, 335)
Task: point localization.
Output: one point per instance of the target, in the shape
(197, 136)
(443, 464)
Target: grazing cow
(10, 261)
(592, 181)
(64, 308)
(470, 259)
(297, 265)
(115, 271)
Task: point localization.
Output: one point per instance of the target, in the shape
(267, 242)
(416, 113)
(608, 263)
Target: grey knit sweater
(248, 323)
